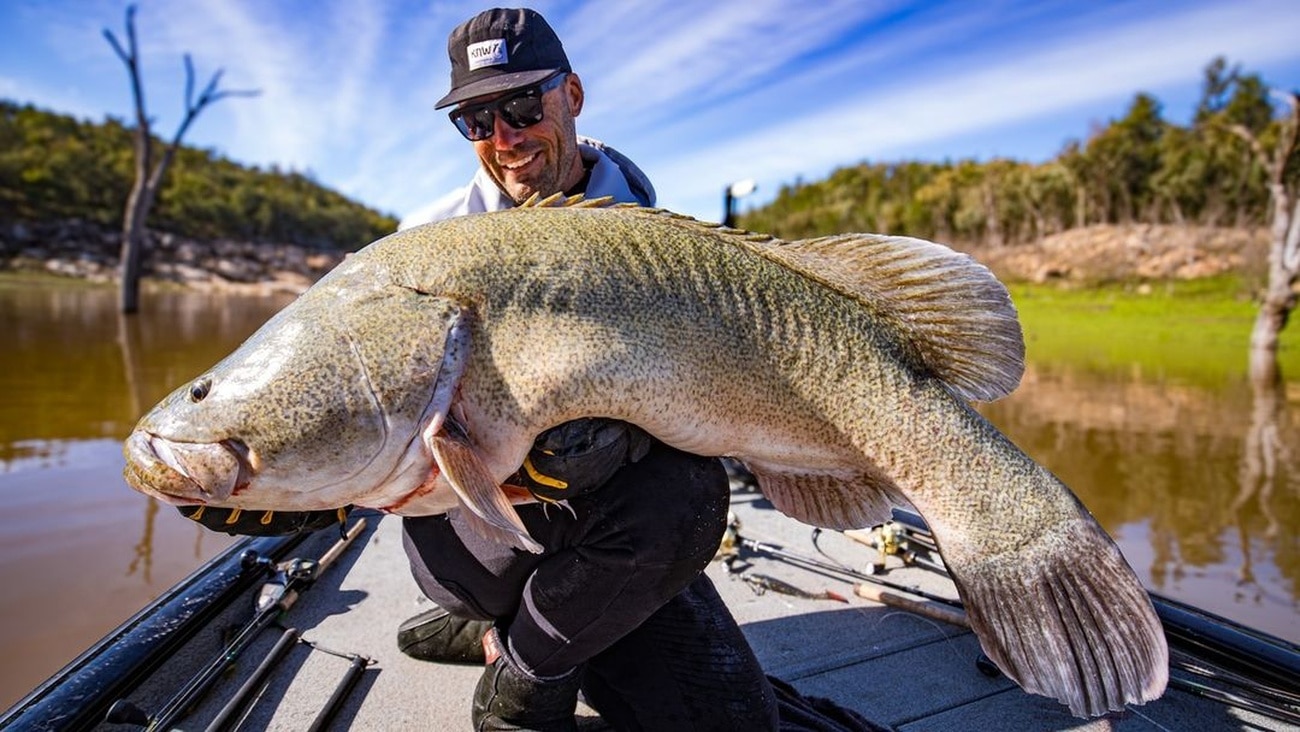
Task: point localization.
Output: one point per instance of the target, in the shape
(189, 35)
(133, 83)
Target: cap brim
(495, 85)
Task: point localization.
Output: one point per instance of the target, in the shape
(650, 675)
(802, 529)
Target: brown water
(79, 550)
(1200, 487)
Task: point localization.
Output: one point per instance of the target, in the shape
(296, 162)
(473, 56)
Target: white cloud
(692, 54)
(699, 94)
(1042, 78)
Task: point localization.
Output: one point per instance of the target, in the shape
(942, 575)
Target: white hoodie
(612, 174)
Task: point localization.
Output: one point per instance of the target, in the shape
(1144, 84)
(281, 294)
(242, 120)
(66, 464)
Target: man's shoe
(437, 635)
(510, 699)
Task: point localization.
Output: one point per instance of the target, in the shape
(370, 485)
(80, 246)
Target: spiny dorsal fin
(559, 200)
(952, 309)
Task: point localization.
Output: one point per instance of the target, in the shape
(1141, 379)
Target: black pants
(626, 555)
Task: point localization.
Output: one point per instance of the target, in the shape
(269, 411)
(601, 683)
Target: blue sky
(698, 93)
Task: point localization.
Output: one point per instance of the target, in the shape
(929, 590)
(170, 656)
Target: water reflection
(74, 378)
(1199, 486)
(1266, 445)
(64, 376)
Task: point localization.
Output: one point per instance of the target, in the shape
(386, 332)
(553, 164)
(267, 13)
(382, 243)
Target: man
(617, 603)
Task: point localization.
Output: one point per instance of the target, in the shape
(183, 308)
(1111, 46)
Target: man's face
(540, 159)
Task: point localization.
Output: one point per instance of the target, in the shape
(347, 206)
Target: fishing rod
(1259, 670)
(845, 573)
(341, 691)
(1259, 700)
(238, 704)
(232, 714)
(275, 597)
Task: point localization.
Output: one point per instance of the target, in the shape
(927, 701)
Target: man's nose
(505, 136)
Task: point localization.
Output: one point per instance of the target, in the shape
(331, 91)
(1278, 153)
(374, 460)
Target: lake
(1200, 484)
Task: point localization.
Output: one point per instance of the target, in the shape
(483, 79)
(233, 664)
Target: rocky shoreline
(89, 251)
(1109, 253)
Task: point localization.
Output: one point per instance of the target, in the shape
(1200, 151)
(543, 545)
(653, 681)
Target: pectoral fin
(487, 507)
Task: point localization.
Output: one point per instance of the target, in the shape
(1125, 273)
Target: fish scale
(838, 370)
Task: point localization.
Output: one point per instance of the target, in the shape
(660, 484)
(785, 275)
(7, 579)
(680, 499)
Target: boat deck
(899, 669)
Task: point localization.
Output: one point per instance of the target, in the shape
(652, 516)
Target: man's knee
(671, 505)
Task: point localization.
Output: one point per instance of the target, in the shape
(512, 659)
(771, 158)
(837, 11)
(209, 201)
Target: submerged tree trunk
(133, 231)
(1283, 267)
(1284, 240)
(149, 177)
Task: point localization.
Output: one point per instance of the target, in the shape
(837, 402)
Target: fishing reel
(905, 536)
(297, 572)
(729, 547)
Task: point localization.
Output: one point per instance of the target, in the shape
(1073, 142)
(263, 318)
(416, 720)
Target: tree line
(1139, 168)
(54, 166)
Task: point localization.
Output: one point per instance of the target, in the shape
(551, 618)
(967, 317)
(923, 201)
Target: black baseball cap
(499, 50)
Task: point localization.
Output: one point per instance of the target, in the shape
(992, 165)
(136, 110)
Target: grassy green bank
(1196, 331)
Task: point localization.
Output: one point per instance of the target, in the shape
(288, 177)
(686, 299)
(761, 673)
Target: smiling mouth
(516, 165)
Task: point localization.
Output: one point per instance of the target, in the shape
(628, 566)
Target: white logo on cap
(487, 53)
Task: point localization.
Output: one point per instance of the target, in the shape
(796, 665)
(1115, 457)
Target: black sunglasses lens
(481, 121)
(522, 111)
(474, 123)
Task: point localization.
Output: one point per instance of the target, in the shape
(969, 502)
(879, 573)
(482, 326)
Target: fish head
(322, 407)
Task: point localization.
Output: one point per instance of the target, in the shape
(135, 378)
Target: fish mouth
(186, 473)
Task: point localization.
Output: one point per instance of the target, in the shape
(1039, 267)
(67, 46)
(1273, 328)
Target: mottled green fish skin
(719, 343)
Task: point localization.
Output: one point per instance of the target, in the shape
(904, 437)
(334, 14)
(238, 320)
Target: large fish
(415, 376)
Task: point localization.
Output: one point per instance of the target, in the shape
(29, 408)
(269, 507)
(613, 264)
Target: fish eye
(199, 389)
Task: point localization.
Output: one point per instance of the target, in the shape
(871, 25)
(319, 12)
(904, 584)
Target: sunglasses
(519, 110)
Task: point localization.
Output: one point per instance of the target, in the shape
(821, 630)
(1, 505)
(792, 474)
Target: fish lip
(244, 458)
(187, 473)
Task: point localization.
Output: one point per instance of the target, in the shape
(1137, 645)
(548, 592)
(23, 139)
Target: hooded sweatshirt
(612, 174)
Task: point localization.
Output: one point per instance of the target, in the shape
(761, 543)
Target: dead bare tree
(1284, 239)
(148, 175)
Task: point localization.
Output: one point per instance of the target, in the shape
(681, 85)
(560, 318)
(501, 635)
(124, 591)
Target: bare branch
(117, 47)
(1261, 155)
(189, 82)
(206, 97)
(130, 30)
(149, 175)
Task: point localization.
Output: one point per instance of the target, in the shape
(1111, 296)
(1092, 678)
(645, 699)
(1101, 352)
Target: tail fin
(1086, 635)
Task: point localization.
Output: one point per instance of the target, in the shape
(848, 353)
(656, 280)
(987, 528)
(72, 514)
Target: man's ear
(573, 88)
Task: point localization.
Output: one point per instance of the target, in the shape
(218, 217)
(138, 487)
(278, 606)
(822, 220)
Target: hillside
(56, 168)
(1139, 198)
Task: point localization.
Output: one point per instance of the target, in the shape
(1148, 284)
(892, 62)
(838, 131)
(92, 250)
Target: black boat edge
(1227, 643)
(78, 696)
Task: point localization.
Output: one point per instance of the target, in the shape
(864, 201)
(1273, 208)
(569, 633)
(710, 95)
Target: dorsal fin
(950, 308)
(559, 200)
